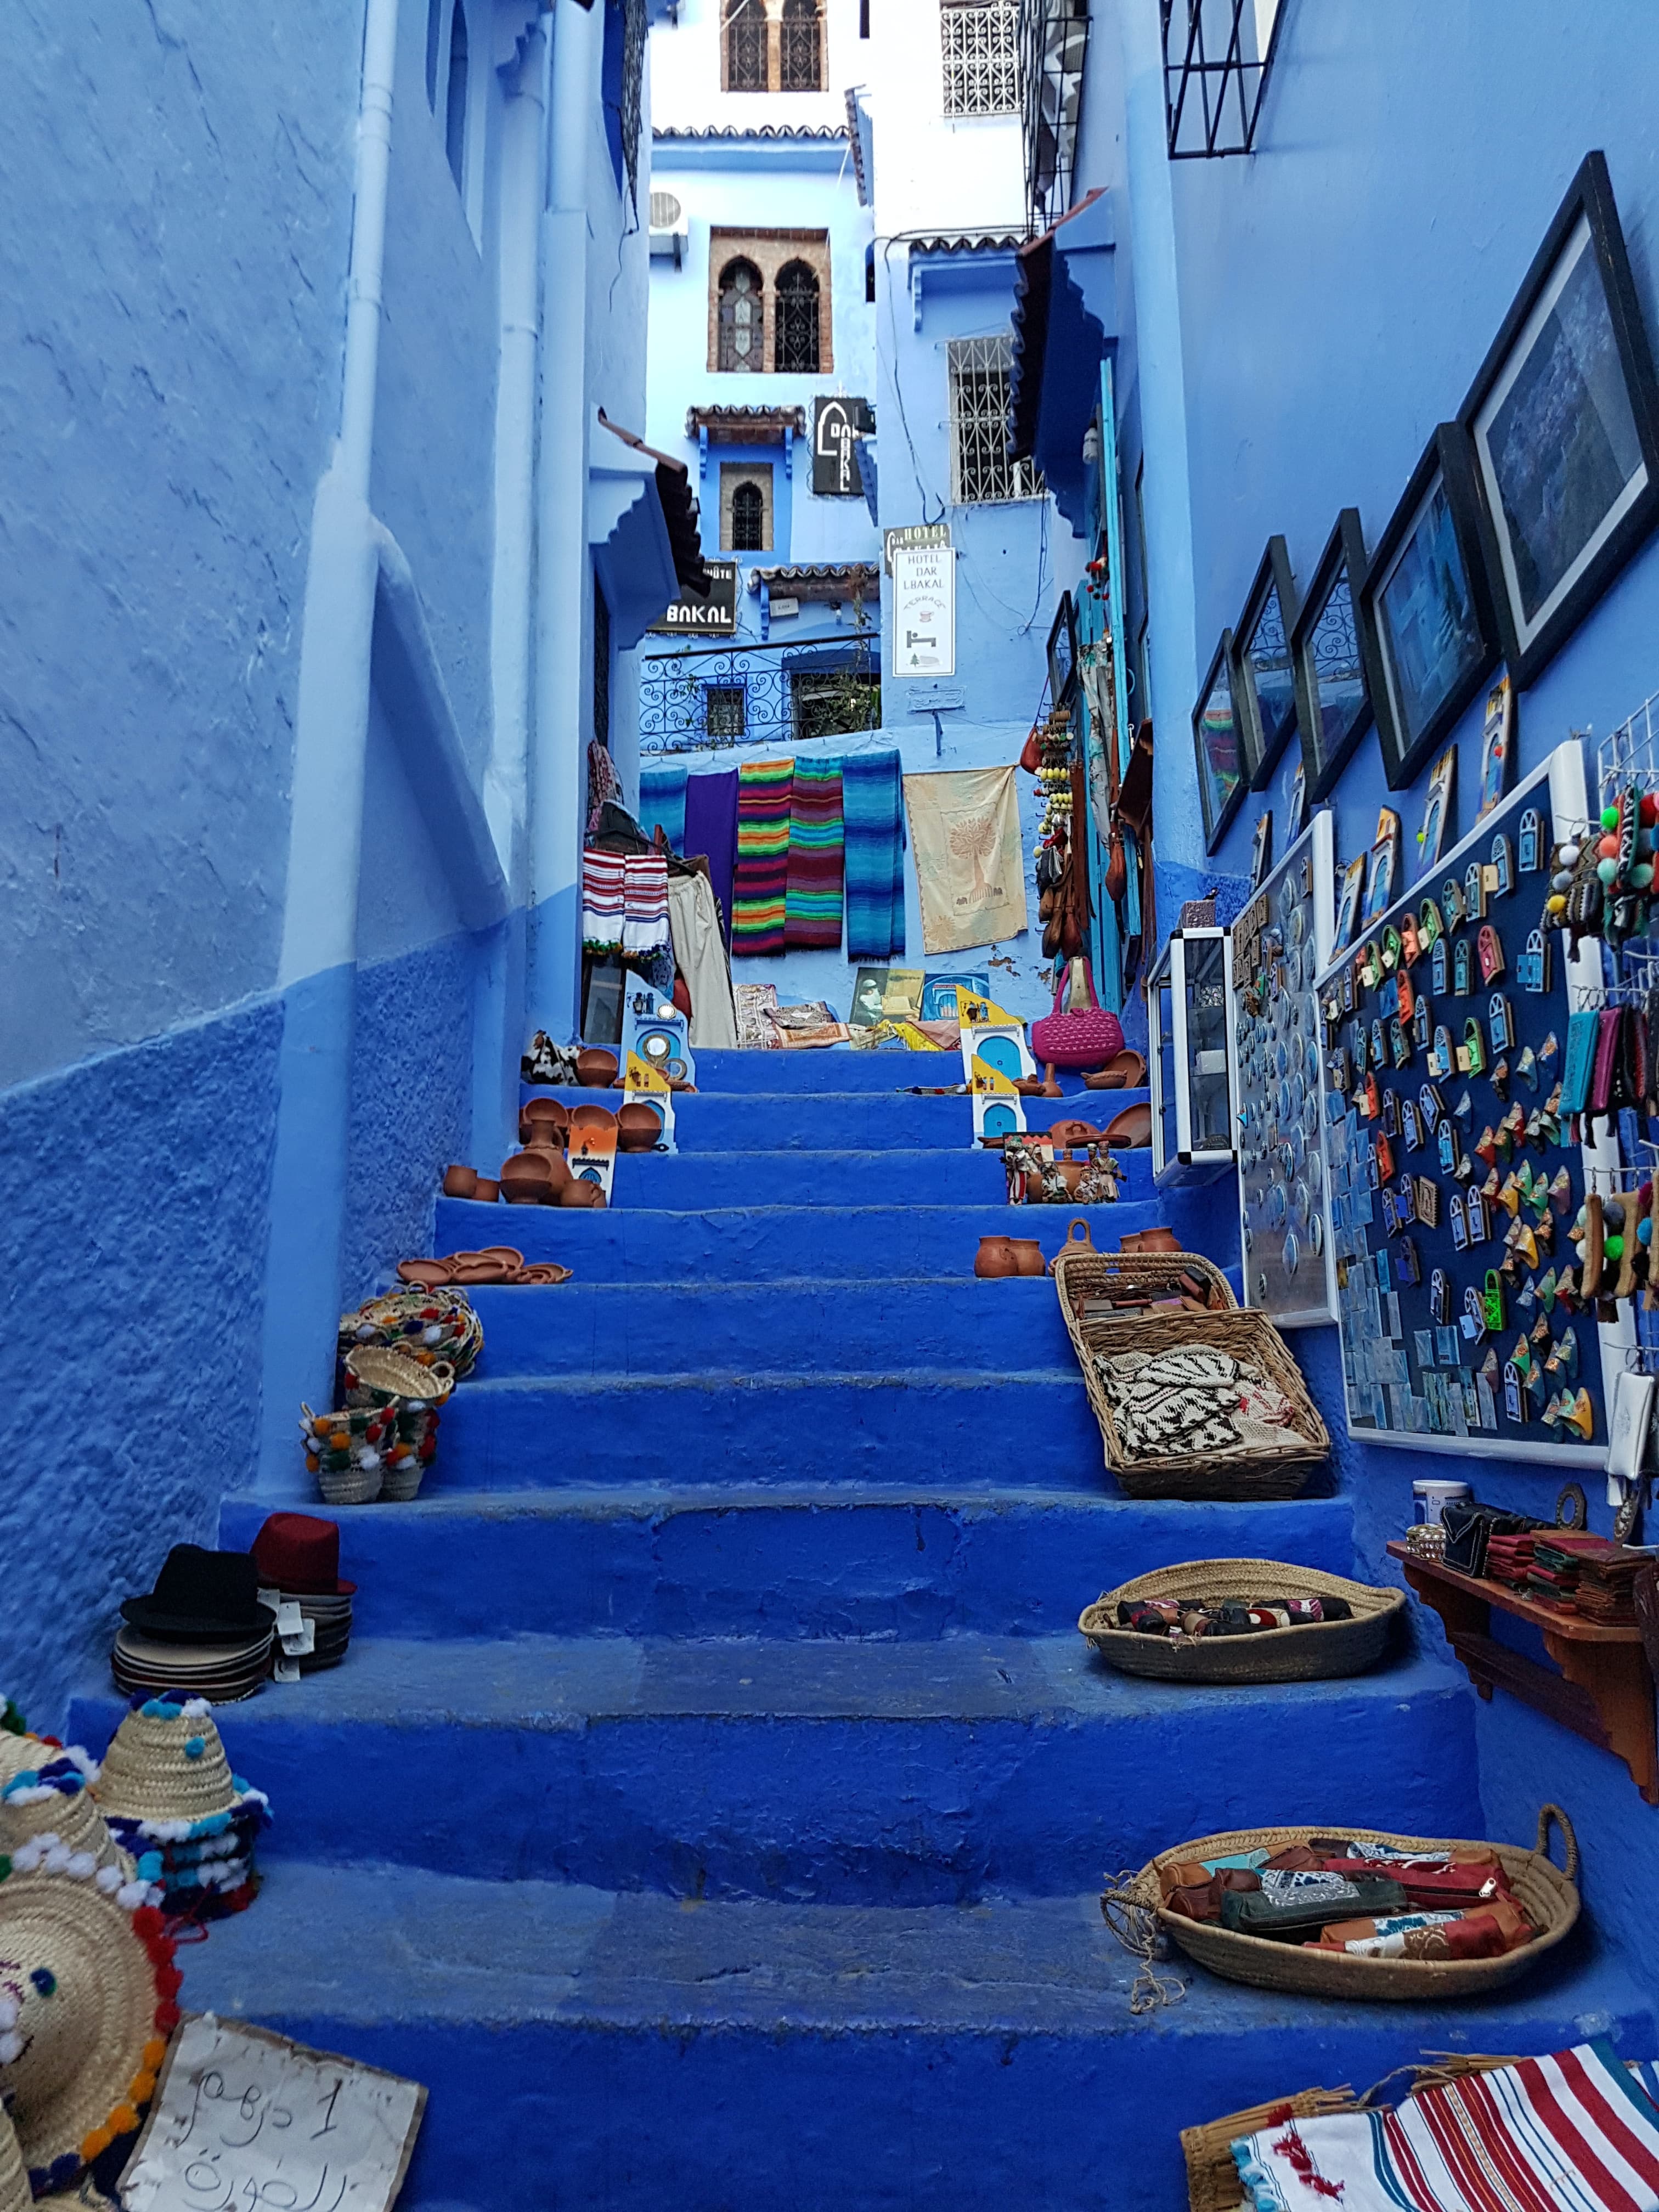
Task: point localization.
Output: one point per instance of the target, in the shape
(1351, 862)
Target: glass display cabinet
(1191, 1093)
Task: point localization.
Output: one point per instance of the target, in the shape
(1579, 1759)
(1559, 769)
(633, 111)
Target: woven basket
(349, 1472)
(1548, 1895)
(1277, 1470)
(1310, 1654)
(428, 1324)
(1212, 2183)
(378, 1375)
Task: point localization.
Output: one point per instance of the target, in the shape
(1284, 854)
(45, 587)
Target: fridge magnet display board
(1452, 1181)
(1280, 943)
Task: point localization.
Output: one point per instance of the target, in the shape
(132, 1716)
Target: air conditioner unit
(668, 231)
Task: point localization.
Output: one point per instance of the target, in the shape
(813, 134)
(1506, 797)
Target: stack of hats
(202, 1632)
(45, 1791)
(297, 1558)
(170, 1798)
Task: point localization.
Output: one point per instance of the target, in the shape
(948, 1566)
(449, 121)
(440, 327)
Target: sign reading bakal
(837, 424)
(714, 616)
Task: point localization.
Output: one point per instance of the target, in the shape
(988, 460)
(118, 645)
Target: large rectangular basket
(1279, 1470)
(1314, 1652)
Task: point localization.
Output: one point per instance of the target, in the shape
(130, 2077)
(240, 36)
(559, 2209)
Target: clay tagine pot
(637, 1128)
(527, 1179)
(460, 1183)
(578, 1192)
(596, 1068)
(994, 1258)
(1028, 1254)
(489, 1192)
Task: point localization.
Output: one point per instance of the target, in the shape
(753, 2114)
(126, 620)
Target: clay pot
(558, 1170)
(578, 1192)
(1070, 1173)
(1124, 1071)
(460, 1183)
(996, 1258)
(546, 1115)
(1131, 1129)
(488, 1191)
(527, 1178)
(596, 1068)
(1077, 1239)
(591, 1117)
(1159, 1240)
(637, 1128)
(480, 1270)
(1028, 1254)
(1065, 1133)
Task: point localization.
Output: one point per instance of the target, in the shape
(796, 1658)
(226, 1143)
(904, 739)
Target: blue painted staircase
(713, 1805)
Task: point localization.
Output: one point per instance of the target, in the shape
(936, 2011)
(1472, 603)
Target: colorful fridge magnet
(1439, 968)
(1407, 1261)
(1405, 996)
(1440, 1055)
(1384, 865)
(1452, 904)
(1411, 944)
(1474, 1218)
(1533, 843)
(1463, 968)
(1439, 1298)
(1385, 1152)
(1430, 927)
(1533, 968)
(1450, 1151)
(1411, 1128)
(1350, 903)
(1497, 745)
(1421, 1019)
(1460, 1224)
(1489, 948)
(1399, 1044)
(1432, 1105)
(1471, 1053)
(1526, 1068)
(1425, 1194)
(1500, 1022)
(1473, 1319)
(1515, 1395)
(1474, 892)
(1493, 1301)
(1502, 865)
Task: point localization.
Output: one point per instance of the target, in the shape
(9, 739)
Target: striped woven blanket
(662, 799)
(816, 846)
(603, 898)
(1572, 2133)
(760, 888)
(871, 796)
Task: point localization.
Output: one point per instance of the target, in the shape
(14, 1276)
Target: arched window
(741, 317)
(800, 48)
(745, 45)
(748, 519)
(455, 105)
(796, 345)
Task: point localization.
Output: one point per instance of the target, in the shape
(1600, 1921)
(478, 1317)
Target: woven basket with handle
(1310, 1654)
(1279, 1470)
(1548, 1895)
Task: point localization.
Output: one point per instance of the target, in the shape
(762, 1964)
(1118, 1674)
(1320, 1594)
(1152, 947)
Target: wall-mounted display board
(1280, 943)
(1451, 1179)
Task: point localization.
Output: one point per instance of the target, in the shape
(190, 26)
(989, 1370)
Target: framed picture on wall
(1264, 681)
(1563, 420)
(1062, 653)
(1221, 783)
(1427, 599)
(1331, 658)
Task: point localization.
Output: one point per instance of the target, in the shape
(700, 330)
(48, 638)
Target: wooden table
(1604, 1691)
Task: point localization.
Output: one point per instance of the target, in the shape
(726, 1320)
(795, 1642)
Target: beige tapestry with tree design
(964, 832)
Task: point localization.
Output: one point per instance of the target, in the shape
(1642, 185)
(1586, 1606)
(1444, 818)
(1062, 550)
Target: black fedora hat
(201, 1596)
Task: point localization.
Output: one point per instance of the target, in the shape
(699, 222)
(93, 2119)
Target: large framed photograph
(1264, 681)
(1331, 658)
(1427, 599)
(1564, 421)
(1221, 783)
(1062, 653)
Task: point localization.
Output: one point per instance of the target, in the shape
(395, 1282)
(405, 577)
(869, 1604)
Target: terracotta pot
(578, 1192)
(488, 1191)
(596, 1066)
(428, 1273)
(1124, 1071)
(1159, 1240)
(1071, 1173)
(1028, 1254)
(994, 1258)
(527, 1174)
(546, 1114)
(591, 1117)
(637, 1128)
(460, 1183)
(1077, 1239)
(1067, 1133)
(1130, 1129)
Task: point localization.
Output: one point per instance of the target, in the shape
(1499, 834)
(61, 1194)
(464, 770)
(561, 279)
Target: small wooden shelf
(1604, 1691)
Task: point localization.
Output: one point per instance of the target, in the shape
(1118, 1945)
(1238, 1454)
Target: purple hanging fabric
(711, 827)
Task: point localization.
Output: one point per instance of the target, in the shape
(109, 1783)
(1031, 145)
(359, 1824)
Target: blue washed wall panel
(132, 1254)
(178, 184)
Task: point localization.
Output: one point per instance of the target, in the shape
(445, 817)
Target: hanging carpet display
(662, 799)
(760, 888)
(965, 825)
(871, 801)
(816, 844)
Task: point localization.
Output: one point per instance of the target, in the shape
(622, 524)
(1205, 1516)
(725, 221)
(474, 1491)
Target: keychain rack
(1630, 755)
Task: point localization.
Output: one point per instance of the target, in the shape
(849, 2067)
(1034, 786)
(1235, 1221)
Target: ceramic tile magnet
(1384, 1154)
(1514, 1397)
(1531, 855)
(1372, 1103)
(1451, 1152)
(1362, 1047)
(1533, 968)
(1462, 970)
(1441, 1060)
(1379, 1045)
(1404, 1200)
(1432, 1107)
(1405, 996)
(1473, 1319)
(1399, 1044)
(1452, 904)
(1425, 1194)
(1411, 1128)
(1430, 927)
(1474, 892)
(1367, 968)
(1474, 1218)
(1471, 1053)
(1390, 1116)
(1490, 947)
(1439, 1298)
(1422, 1018)
(1503, 865)
(1388, 999)
(1460, 1224)
(1391, 949)
(1411, 944)
(1440, 968)
(1500, 1023)
(1390, 1219)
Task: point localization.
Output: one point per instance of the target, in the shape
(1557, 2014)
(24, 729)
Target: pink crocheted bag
(1080, 1034)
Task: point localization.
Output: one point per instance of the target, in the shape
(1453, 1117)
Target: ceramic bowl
(576, 1193)
(637, 1128)
(460, 1181)
(596, 1066)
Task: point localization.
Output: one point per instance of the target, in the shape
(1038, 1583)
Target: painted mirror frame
(1432, 532)
(1333, 657)
(1221, 786)
(1267, 710)
(1062, 653)
(1531, 378)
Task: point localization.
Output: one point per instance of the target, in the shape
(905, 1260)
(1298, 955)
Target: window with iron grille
(748, 519)
(795, 340)
(741, 317)
(800, 47)
(746, 46)
(601, 667)
(723, 710)
(981, 57)
(981, 472)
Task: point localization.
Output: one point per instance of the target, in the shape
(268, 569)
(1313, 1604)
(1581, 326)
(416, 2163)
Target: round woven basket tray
(1310, 1654)
(1548, 1895)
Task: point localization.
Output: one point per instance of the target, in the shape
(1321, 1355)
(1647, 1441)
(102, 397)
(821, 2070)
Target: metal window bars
(716, 698)
(981, 48)
(982, 473)
(799, 48)
(633, 73)
(1054, 44)
(1212, 107)
(746, 46)
(795, 327)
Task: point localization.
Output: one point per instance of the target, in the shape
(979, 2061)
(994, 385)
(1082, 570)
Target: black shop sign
(714, 616)
(837, 424)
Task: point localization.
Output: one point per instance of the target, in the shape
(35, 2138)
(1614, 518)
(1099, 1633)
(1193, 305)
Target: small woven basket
(1548, 1895)
(430, 1325)
(346, 1451)
(1281, 1469)
(378, 1375)
(1312, 1653)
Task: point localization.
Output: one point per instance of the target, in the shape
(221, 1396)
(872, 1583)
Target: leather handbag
(1080, 1033)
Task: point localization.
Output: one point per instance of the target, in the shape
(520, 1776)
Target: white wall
(935, 171)
(686, 73)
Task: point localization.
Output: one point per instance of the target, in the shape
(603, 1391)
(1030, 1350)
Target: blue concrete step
(837, 1068)
(801, 1327)
(752, 1245)
(917, 1773)
(614, 2051)
(688, 1181)
(895, 1562)
(848, 1120)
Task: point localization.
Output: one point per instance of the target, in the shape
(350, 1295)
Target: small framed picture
(1264, 681)
(1437, 809)
(1426, 596)
(1261, 849)
(1215, 743)
(1062, 653)
(1384, 865)
(1497, 745)
(1333, 657)
(1348, 906)
(1564, 422)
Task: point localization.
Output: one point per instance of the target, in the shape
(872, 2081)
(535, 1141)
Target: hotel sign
(714, 616)
(837, 424)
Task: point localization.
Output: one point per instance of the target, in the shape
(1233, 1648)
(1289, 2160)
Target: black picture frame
(1062, 653)
(1268, 713)
(1595, 446)
(1213, 736)
(1432, 539)
(1333, 656)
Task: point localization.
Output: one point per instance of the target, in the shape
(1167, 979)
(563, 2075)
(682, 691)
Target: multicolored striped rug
(871, 799)
(816, 847)
(760, 888)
